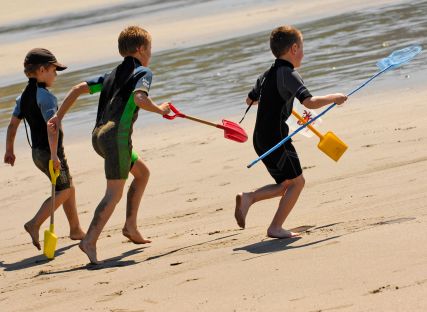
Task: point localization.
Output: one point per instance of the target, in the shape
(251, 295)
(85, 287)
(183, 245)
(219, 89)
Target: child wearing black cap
(36, 105)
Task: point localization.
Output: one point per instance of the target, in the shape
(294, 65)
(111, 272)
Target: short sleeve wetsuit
(37, 105)
(275, 90)
(117, 113)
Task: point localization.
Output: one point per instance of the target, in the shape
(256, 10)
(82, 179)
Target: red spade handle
(176, 111)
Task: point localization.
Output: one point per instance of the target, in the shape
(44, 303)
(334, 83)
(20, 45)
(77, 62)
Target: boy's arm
(143, 101)
(254, 94)
(71, 97)
(249, 101)
(9, 155)
(53, 145)
(320, 101)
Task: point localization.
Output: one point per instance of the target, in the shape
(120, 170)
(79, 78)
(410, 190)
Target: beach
(362, 219)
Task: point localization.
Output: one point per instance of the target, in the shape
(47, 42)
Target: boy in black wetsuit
(274, 92)
(123, 92)
(36, 105)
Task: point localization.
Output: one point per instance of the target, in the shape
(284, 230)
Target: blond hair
(282, 38)
(131, 38)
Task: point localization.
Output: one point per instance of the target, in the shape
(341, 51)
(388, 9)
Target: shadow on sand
(33, 261)
(269, 246)
(41, 259)
(275, 245)
(108, 263)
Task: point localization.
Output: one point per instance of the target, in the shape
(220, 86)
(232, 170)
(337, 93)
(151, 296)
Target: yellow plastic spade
(329, 143)
(50, 239)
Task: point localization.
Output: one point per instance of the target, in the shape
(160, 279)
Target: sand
(363, 221)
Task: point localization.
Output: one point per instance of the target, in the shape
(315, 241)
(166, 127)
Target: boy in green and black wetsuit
(36, 105)
(123, 92)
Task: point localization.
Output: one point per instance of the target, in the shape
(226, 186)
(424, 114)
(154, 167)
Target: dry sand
(365, 219)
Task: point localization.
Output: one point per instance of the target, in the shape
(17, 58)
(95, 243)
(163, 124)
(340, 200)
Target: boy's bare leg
(33, 226)
(287, 202)
(136, 190)
(102, 213)
(245, 200)
(69, 205)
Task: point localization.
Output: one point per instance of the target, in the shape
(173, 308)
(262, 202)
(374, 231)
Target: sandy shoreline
(365, 216)
(189, 26)
(363, 219)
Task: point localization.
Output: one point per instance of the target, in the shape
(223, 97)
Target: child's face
(47, 75)
(146, 54)
(299, 54)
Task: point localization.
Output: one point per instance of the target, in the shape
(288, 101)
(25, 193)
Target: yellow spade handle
(54, 174)
(297, 116)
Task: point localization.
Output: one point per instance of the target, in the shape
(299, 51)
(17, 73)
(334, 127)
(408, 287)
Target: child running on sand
(123, 92)
(274, 92)
(37, 105)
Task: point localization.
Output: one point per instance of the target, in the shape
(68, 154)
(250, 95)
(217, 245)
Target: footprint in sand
(191, 199)
(383, 288)
(176, 263)
(393, 221)
(112, 296)
(171, 190)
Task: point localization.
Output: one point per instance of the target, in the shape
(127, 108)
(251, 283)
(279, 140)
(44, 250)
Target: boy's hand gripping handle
(176, 111)
(54, 174)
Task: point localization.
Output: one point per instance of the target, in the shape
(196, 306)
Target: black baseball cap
(42, 56)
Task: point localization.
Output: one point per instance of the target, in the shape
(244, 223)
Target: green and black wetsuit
(117, 113)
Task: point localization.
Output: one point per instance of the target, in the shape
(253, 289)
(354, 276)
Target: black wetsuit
(275, 90)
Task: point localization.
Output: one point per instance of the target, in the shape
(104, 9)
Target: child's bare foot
(134, 236)
(90, 251)
(34, 233)
(242, 208)
(77, 234)
(281, 233)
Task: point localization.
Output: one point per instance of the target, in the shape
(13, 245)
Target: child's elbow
(309, 102)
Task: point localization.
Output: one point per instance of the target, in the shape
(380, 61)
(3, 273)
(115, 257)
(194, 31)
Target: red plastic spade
(232, 131)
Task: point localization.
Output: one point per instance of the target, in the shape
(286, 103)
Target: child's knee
(297, 182)
(113, 196)
(300, 182)
(140, 171)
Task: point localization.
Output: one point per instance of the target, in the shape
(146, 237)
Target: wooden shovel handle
(201, 121)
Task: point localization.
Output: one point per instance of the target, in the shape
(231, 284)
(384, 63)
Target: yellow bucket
(329, 143)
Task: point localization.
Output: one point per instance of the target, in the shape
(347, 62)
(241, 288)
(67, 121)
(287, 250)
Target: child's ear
(294, 48)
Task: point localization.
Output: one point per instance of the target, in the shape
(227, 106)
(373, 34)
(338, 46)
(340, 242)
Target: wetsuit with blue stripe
(37, 105)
